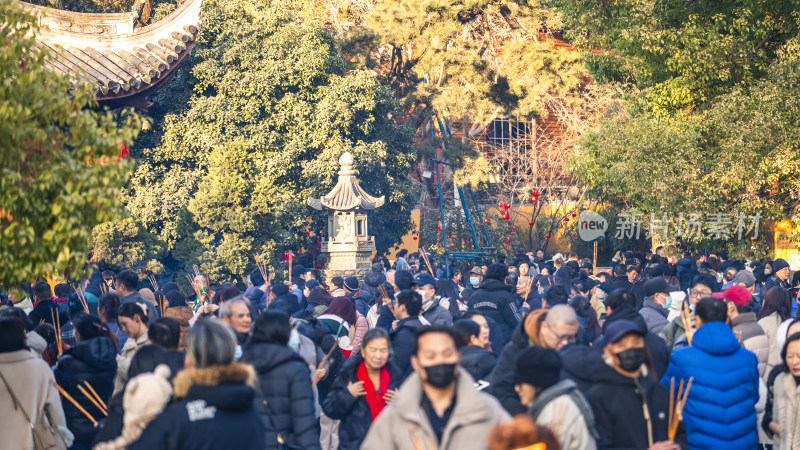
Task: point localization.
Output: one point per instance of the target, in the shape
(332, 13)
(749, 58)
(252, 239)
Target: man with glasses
(548, 328)
(701, 287)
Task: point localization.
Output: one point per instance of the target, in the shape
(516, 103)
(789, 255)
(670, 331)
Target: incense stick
(687, 322)
(324, 360)
(57, 326)
(91, 399)
(77, 405)
(427, 262)
(676, 414)
(153, 282)
(102, 403)
(385, 295)
(82, 299)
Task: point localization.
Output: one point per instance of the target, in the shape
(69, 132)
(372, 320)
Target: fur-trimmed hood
(234, 373)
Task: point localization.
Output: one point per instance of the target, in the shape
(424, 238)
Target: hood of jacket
(716, 338)
(181, 314)
(490, 284)
(225, 387)
(265, 357)
(685, 263)
(627, 312)
(36, 342)
(374, 279)
(98, 353)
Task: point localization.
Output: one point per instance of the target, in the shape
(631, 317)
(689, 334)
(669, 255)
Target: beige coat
(786, 411)
(34, 385)
(124, 360)
(474, 415)
(770, 326)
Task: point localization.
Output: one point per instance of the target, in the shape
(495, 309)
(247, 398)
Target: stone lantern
(348, 246)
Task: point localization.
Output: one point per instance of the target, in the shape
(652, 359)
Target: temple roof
(123, 62)
(347, 194)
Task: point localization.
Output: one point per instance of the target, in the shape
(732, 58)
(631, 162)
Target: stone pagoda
(348, 246)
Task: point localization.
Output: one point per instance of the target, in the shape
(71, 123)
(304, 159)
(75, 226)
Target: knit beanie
(351, 283)
(538, 366)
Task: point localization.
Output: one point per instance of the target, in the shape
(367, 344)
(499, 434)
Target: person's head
(62, 290)
(88, 327)
(209, 343)
(166, 333)
(425, 285)
(483, 338)
(624, 347)
(109, 278)
(435, 356)
(633, 273)
(272, 327)
(738, 300)
(402, 253)
(745, 278)
(537, 369)
(475, 276)
(351, 284)
(539, 254)
(42, 292)
(559, 328)
(497, 272)
(408, 304)
(256, 279)
(337, 283)
(146, 359)
(14, 311)
(791, 354)
(781, 269)
(468, 332)
(175, 298)
(619, 298)
(700, 287)
(403, 280)
(455, 274)
(777, 300)
(619, 270)
(108, 307)
(554, 295)
(127, 282)
(12, 335)
(236, 314)
(344, 308)
(228, 293)
(709, 310)
(729, 274)
(376, 348)
(132, 318)
(524, 268)
(657, 290)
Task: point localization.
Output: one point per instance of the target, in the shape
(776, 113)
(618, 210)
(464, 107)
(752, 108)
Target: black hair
(704, 279)
(62, 290)
(619, 270)
(128, 279)
(711, 309)
(497, 272)
(314, 273)
(271, 327)
(280, 290)
(90, 327)
(256, 278)
(422, 331)
(146, 359)
(619, 297)
(165, 332)
(12, 334)
(132, 309)
(41, 291)
(402, 253)
(175, 298)
(411, 300)
(108, 305)
(555, 295)
(776, 300)
(790, 339)
(403, 279)
(338, 282)
(19, 314)
(465, 329)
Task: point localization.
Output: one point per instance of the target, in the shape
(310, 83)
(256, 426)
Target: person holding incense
(721, 407)
(132, 319)
(284, 384)
(425, 285)
(630, 406)
(90, 362)
(367, 383)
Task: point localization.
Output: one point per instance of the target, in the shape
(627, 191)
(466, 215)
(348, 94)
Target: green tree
(272, 109)
(60, 173)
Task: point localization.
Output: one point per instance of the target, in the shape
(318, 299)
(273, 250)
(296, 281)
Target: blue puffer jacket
(720, 411)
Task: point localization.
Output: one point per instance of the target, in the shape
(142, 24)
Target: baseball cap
(424, 278)
(617, 329)
(476, 271)
(739, 295)
(656, 285)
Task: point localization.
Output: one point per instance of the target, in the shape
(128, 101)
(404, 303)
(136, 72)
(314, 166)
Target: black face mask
(441, 375)
(630, 360)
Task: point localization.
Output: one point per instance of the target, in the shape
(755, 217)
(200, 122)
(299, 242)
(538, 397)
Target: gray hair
(562, 314)
(226, 308)
(210, 343)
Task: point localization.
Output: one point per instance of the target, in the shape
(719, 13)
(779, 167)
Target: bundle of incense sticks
(162, 303)
(291, 259)
(57, 325)
(262, 267)
(79, 293)
(427, 261)
(324, 360)
(103, 287)
(686, 318)
(94, 398)
(528, 289)
(385, 296)
(153, 282)
(676, 406)
(74, 402)
(199, 301)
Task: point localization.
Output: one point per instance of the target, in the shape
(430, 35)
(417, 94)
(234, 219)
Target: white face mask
(767, 271)
(422, 293)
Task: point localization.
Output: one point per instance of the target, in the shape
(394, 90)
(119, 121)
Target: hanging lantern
(535, 194)
(507, 205)
(548, 236)
(414, 238)
(566, 219)
(511, 234)
(574, 215)
(530, 224)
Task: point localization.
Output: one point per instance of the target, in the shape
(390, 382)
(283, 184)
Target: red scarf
(374, 398)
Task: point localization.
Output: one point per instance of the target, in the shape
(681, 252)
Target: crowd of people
(537, 352)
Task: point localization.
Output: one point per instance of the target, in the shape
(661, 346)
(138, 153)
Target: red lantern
(530, 224)
(511, 234)
(500, 204)
(439, 228)
(535, 193)
(507, 205)
(548, 236)
(534, 199)
(574, 215)
(566, 219)
(415, 238)
(318, 267)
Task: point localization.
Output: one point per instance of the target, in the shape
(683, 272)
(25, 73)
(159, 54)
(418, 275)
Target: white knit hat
(146, 395)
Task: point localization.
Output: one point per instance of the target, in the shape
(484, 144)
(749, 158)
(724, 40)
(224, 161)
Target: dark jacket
(362, 299)
(654, 315)
(658, 349)
(478, 361)
(403, 344)
(42, 312)
(112, 425)
(687, 269)
(579, 363)
(773, 281)
(622, 283)
(502, 377)
(213, 409)
(618, 405)
(495, 299)
(720, 411)
(93, 360)
(354, 412)
(285, 383)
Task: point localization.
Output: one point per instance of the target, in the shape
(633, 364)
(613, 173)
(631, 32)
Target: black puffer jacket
(214, 409)
(403, 344)
(657, 347)
(93, 360)
(495, 299)
(502, 377)
(285, 383)
(354, 412)
(478, 361)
